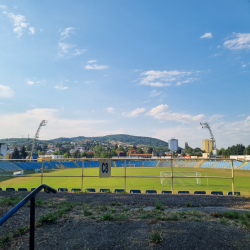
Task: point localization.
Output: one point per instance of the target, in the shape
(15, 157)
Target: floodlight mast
(43, 123)
(206, 125)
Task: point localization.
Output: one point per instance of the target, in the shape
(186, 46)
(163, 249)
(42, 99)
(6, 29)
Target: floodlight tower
(206, 125)
(43, 123)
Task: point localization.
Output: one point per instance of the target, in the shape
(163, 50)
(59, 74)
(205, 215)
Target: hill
(121, 138)
(128, 139)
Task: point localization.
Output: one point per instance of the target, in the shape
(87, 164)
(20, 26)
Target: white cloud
(20, 24)
(6, 92)
(207, 35)
(64, 47)
(240, 41)
(79, 51)
(26, 122)
(95, 66)
(61, 87)
(65, 34)
(155, 93)
(242, 115)
(91, 61)
(31, 30)
(3, 7)
(30, 82)
(111, 110)
(156, 78)
(160, 112)
(244, 65)
(135, 112)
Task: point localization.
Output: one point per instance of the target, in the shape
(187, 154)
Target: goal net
(188, 181)
(127, 165)
(18, 172)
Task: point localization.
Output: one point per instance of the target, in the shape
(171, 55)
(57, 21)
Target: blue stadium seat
(34, 165)
(24, 166)
(221, 164)
(103, 190)
(86, 165)
(119, 190)
(183, 192)
(134, 163)
(90, 190)
(120, 163)
(62, 190)
(217, 192)
(46, 165)
(56, 164)
(236, 165)
(151, 192)
(179, 163)
(192, 164)
(69, 164)
(207, 164)
(165, 164)
(199, 192)
(246, 166)
(76, 190)
(10, 189)
(135, 191)
(235, 193)
(150, 163)
(9, 166)
(22, 189)
(94, 164)
(166, 192)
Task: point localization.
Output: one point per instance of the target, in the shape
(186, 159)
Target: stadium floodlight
(42, 123)
(206, 125)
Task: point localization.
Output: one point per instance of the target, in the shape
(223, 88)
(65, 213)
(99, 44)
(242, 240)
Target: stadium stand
(236, 164)
(24, 166)
(120, 163)
(246, 166)
(199, 192)
(69, 164)
(179, 164)
(34, 165)
(56, 164)
(183, 192)
(150, 163)
(165, 164)
(192, 164)
(90, 190)
(62, 190)
(9, 166)
(151, 192)
(22, 189)
(217, 192)
(166, 192)
(119, 190)
(135, 191)
(94, 164)
(221, 164)
(103, 190)
(135, 163)
(235, 193)
(46, 165)
(207, 164)
(86, 165)
(10, 189)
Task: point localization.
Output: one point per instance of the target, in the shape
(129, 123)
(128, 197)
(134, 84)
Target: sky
(144, 68)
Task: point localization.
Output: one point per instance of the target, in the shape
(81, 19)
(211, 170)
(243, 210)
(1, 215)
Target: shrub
(156, 237)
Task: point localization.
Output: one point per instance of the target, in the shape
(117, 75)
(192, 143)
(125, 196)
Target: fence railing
(30, 197)
(171, 163)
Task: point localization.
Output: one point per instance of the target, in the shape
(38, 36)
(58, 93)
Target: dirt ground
(129, 221)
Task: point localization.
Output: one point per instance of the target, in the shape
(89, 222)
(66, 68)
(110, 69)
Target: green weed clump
(116, 203)
(87, 212)
(188, 204)
(159, 205)
(156, 237)
(48, 219)
(108, 216)
(10, 201)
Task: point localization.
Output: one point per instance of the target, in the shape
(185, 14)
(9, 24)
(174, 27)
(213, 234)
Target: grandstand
(220, 164)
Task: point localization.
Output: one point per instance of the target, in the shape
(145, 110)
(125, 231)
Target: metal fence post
(232, 177)
(32, 222)
(172, 177)
(125, 174)
(82, 176)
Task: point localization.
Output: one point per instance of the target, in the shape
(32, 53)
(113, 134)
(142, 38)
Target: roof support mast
(43, 123)
(206, 125)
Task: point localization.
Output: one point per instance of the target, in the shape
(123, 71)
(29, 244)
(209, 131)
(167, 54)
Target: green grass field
(242, 180)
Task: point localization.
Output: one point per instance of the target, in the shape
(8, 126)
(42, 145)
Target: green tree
(97, 151)
(15, 154)
(23, 153)
(104, 155)
(66, 155)
(150, 150)
(76, 154)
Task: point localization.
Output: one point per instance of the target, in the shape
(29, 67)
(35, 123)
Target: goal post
(177, 174)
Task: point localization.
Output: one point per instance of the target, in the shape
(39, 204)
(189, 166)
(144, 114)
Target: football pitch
(241, 180)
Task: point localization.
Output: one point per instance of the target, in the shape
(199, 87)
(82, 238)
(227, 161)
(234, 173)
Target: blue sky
(146, 68)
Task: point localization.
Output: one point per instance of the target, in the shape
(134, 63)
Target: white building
(3, 150)
(173, 144)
